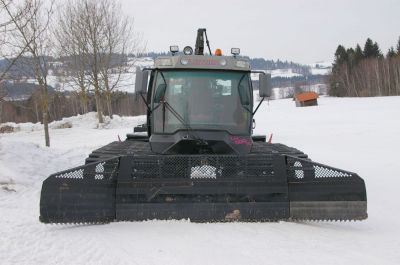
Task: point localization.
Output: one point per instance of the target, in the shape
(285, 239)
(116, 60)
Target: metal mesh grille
(205, 172)
(73, 174)
(201, 166)
(303, 169)
(299, 173)
(324, 172)
(104, 170)
(99, 171)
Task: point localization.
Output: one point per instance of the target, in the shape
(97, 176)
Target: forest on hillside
(365, 72)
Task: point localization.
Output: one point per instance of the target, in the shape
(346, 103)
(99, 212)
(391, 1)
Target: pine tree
(350, 56)
(377, 51)
(391, 53)
(369, 50)
(336, 87)
(341, 55)
(398, 47)
(358, 54)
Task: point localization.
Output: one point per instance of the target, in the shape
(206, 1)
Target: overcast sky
(304, 31)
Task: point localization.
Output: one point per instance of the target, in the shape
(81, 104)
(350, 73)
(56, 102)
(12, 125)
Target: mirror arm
(247, 109)
(259, 104)
(145, 102)
(163, 77)
(163, 117)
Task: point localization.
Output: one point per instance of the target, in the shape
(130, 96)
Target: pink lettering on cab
(240, 140)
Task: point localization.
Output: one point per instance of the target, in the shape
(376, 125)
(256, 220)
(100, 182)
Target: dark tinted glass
(217, 100)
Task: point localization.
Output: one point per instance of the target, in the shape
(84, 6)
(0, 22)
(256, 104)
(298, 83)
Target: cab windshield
(214, 100)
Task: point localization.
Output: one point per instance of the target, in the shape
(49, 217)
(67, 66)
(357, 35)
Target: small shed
(306, 99)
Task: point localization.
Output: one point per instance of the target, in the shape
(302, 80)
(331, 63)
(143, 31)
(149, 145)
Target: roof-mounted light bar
(174, 49)
(235, 51)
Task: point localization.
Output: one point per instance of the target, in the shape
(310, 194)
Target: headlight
(188, 50)
(222, 62)
(184, 61)
(235, 51)
(174, 48)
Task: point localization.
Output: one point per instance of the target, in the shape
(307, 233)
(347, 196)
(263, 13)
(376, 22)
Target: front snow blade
(81, 194)
(202, 188)
(320, 192)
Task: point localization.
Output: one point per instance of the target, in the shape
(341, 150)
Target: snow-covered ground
(321, 71)
(286, 73)
(126, 81)
(288, 92)
(321, 68)
(357, 134)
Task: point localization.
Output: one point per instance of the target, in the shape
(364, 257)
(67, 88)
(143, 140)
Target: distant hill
(20, 90)
(20, 79)
(257, 63)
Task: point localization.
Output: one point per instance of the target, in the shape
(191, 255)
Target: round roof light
(188, 50)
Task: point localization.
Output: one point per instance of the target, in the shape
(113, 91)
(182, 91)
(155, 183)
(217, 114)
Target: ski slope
(356, 134)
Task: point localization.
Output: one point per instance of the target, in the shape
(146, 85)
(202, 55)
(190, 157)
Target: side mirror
(141, 81)
(160, 93)
(265, 86)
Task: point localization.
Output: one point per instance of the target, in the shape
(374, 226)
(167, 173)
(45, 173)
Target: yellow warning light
(218, 52)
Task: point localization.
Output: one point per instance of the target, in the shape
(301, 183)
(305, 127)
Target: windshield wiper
(168, 106)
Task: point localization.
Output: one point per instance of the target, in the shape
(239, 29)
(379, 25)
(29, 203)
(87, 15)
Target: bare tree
(7, 26)
(70, 46)
(120, 41)
(31, 34)
(370, 77)
(79, 36)
(97, 37)
(2, 96)
(92, 22)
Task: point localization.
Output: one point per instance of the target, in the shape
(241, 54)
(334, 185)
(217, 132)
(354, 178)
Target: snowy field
(356, 134)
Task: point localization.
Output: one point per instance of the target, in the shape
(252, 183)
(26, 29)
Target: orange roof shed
(306, 96)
